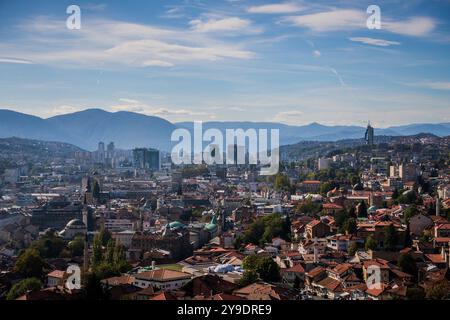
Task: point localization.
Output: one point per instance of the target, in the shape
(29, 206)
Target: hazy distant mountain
(86, 128)
(129, 130)
(318, 132)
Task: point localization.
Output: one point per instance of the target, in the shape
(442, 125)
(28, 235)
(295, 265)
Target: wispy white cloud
(277, 8)
(14, 60)
(374, 42)
(416, 26)
(47, 41)
(171, 113)
(224, 24)
(434, 85)
(290, 117)
(317, 53)
(334, 20)
(349, 19)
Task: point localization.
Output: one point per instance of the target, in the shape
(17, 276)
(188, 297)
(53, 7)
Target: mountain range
(129, 130)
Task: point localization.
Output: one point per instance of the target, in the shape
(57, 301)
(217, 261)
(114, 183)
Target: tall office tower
(370, 134)
(101, 152)
(408, 172)
(110, 152)
(154, 159)
(147, 159)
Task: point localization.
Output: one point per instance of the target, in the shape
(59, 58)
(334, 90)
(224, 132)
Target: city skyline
(293, 62)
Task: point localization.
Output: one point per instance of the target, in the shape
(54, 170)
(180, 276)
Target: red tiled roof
(162, 275)
(164, 296)
(56, 274)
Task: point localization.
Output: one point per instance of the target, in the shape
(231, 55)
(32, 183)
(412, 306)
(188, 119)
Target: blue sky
(294, 62)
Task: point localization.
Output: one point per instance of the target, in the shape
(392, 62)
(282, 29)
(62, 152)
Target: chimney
(153, 265)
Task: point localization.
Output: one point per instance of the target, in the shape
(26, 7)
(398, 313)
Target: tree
(351, 226)
(30, 264)
(297, 283)
(327, 186)
(25, 285)
(263, 230)
(407, 240)
(282, 182)
(238, 242)
(407, 264)
(390, 237)
(362, 209)
(49, 246)
(268, 269)
(409, 213)
(370, 244)
(352, 212)
(97, 250)
(105, 236)
(352, 248)
(395, 194)
(94, 289)
(110, 248)
(438, 291)
(264, 266)
(415, 293)
(340, 219)
(286, 228)
(76, 246)
(249, 277)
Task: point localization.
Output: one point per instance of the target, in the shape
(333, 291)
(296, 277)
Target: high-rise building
(147, 159)
(370, 135)
(101, 152)
(408, 172)
(323, 163)
(110, 153)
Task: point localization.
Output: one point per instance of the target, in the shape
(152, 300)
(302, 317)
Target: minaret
(438, 207)
(86, 237)
(316, 258)
(141, 221)
(86, 253)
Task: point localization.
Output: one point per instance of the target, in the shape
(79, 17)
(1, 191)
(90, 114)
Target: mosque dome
(176, 225)
(75, 223)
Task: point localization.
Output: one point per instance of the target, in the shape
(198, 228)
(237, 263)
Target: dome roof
(75, 223)
(211, 227)
(176, 225)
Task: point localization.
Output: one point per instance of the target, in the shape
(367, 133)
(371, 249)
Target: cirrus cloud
(374, 42)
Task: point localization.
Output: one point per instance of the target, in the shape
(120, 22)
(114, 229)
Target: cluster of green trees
(343, 175)
(406, 197)
(259, 267)
(346, 221)
(110, 262)
(282, 182)
(308, 207)
(264, 229)
(23, 286)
